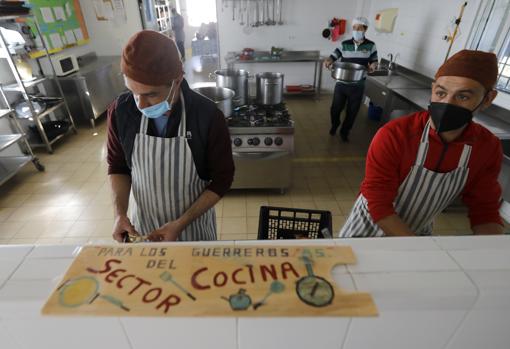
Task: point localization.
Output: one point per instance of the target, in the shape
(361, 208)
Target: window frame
(503, 41)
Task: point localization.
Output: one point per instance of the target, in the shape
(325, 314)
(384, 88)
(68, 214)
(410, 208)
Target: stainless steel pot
(219, 95)
(348, 72)
(269, 88)
(236, 80)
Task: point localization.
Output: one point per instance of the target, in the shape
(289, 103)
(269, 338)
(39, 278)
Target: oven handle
(260, 155)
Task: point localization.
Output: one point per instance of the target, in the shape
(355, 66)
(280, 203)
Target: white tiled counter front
(432, 292)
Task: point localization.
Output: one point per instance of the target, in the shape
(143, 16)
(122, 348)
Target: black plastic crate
(293, 223)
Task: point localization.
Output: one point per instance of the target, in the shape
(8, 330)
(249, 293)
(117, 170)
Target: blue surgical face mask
(358, 35)
(157, 110)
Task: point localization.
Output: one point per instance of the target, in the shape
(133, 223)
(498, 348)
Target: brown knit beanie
(477, 65)
(151, 58)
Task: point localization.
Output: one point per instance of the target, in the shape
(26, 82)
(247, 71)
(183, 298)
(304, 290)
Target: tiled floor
(70, 202)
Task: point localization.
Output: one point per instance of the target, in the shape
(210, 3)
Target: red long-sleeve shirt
(393, 151)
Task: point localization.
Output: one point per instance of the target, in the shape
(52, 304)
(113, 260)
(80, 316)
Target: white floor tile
(483, 329)
(404, 329)
(6, 339)
(392, 261)
(64, 333)
(165, 333)
(42, 269)
(25, 298)
(475, 242)
(14, 253)
(482, 259)
(409, 291)
(494, 288)
(392, 244)
(277, 333)
(58, 251)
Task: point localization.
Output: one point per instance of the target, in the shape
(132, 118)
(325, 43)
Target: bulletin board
(207, 280)
(61, 24)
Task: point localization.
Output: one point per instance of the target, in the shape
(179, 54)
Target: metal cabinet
(90, 91)
(377, 93)
(392, 103)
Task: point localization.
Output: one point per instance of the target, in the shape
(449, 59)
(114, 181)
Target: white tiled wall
(304, 21)
(419, 28)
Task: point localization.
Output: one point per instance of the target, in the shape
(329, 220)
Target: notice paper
(59, 13)
(70, 37)
(103, 9)
(56, 40)
(69, 9)
(120, 16)
(47, 15)
(78, 34)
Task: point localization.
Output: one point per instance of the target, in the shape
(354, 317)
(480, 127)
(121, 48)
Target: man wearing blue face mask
(418, 165)
(169, 152)
(358, 50)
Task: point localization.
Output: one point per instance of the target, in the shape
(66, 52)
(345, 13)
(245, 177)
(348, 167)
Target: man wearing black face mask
(417, 165)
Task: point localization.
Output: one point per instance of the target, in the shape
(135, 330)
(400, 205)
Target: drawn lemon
(78, 291)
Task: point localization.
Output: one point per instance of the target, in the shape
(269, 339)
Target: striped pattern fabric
(165, 183)
(421, 197)
(363, 54)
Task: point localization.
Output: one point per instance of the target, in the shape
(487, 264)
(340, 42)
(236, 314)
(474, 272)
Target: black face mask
(449, 117)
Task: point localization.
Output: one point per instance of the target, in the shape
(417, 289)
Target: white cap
(360, 20)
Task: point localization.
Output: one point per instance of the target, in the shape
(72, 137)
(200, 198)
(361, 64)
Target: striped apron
(165, 183)
(423, 195)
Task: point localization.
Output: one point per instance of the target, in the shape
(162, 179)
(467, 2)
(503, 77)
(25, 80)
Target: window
(199, 12)
(504, 67)
(493, 34)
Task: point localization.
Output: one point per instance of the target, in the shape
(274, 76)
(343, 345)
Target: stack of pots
(236, 80)
(269, 86)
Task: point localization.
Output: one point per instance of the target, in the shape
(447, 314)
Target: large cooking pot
(236, 80)
(269, 88)
(348, 72)
(220, 95)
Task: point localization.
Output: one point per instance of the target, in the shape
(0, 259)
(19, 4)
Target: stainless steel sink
(382, 72)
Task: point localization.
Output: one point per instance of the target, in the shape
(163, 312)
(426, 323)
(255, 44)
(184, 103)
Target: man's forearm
(487, 229)
(204, 202)
(394, 226)
(121, 187)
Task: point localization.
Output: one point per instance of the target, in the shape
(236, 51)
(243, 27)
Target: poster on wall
(207, 280)
(110, 10)
(61, 24)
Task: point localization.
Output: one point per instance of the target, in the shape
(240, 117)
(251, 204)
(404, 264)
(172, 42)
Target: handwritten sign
(159, 280)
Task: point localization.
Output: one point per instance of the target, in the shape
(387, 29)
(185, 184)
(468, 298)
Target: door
(148, 14)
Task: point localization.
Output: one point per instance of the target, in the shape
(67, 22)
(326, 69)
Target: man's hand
(121, 227)
(372, 67)
(328, 62)
(168, 232)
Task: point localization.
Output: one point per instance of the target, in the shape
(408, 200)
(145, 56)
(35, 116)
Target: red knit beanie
(151, 58)
(476, 65)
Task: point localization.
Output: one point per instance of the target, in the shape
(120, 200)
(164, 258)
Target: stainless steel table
(314, 57)
(89, 91)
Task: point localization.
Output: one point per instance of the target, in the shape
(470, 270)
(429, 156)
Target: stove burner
(255, 115)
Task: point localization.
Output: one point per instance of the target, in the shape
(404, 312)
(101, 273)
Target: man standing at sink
(358, 50)
(418, 165)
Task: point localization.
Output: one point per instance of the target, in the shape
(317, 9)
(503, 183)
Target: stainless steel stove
(263, 145)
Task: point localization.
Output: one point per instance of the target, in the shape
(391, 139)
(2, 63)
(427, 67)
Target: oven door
(262, 170)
